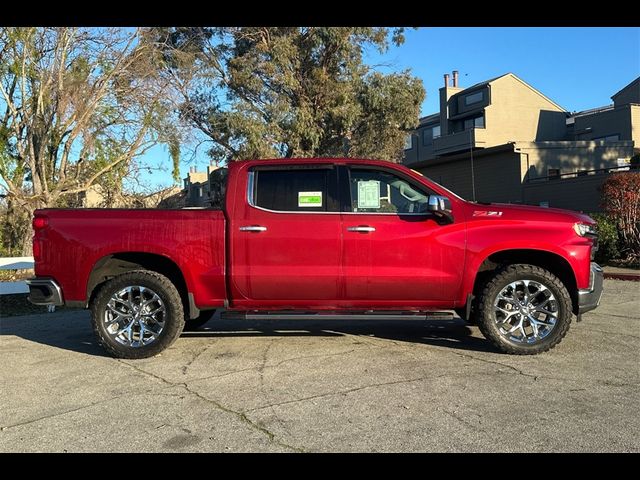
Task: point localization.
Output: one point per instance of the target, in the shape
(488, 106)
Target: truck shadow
(71, 330)
(453, 333)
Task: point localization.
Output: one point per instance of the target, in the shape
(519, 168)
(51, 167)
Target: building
(197, 187)
(524, 147)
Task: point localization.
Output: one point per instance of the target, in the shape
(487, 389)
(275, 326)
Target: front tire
(137, 314)
(524, 310)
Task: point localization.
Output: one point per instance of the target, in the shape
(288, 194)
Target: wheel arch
(553, 262)
(118, 263)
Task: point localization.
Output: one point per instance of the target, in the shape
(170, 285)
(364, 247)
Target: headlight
(584, 229)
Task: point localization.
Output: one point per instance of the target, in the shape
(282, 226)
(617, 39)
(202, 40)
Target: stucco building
(504, 141)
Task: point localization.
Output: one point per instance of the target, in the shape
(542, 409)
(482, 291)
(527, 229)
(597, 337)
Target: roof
(633, 83)
(429, 118)
(515, 77)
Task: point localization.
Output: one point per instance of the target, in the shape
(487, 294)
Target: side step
(376, 315)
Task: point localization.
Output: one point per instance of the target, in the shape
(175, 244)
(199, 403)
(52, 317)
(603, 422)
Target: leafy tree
(291, 91)
(76, 107)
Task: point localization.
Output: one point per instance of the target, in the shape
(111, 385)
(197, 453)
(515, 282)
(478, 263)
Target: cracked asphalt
(311, 386)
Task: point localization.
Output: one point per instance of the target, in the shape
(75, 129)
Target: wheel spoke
(527, 297)
(141, 328)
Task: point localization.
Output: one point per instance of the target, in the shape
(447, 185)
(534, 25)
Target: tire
(162, 315)
(193, 324)
(497, 320)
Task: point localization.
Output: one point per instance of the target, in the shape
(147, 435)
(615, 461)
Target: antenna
(473, 179)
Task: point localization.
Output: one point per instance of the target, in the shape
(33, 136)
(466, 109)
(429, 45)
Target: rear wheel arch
(119, 263)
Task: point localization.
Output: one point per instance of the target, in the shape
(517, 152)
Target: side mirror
(437, 205)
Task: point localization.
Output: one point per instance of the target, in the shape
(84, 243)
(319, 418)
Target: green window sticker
(369, 194)
(309, 199)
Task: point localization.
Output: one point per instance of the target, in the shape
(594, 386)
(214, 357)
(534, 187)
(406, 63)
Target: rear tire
(137, 314)
(193, 324)
(512, 306)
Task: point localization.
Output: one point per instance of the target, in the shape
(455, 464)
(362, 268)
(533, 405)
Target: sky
(578, 68)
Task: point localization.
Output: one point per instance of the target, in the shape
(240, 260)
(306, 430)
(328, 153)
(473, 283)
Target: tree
(292, 91)
(77, 106)
(621, 201)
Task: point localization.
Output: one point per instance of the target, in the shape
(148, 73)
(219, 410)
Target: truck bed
(77, 239)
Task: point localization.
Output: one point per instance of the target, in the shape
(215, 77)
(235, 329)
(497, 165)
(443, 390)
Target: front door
(287, 242)
(395, 251)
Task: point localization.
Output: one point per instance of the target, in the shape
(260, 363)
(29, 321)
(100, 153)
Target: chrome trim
(525, 316)
(253, 228)
(589, 299)
(55, 298)
(250, 187)
(361, 229)
(379, 315)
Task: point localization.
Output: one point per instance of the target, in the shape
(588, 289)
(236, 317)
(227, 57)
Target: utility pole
(473, 179)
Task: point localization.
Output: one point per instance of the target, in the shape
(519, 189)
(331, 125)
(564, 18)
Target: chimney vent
(446, 80)
(455, 78)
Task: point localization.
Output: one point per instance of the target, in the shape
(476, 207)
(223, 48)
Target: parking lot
(324, 386)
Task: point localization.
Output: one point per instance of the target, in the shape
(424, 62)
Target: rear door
(287, 240)
(395, 251)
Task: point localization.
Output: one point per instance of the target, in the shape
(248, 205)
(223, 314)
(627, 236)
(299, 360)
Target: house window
(609, 138)
(428, 134)
(408, 142)
(475, 122)
(474, 98)
(553, 173)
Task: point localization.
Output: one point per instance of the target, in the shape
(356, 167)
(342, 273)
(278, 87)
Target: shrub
(621, 201)
(608, 238)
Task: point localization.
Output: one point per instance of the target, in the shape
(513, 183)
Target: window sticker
(369, 194)
(309, 199)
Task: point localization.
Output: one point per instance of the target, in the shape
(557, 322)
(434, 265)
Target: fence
(16, 263)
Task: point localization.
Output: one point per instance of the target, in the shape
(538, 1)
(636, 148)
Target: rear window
(292, 190)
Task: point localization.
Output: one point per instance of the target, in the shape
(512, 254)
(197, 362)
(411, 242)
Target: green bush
(608, 238)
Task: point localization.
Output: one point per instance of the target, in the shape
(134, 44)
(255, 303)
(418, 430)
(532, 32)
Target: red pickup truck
(328, 238)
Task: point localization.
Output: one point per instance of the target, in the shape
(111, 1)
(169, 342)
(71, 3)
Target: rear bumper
(44, 291)
(589, 298)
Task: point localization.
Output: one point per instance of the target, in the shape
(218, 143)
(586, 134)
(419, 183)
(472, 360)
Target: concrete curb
(632, 277)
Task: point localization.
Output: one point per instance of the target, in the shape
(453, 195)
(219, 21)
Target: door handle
(253, 228)
(361, 229)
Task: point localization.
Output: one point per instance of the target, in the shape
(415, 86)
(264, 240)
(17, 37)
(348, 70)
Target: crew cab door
(287, 238)
(395, 251)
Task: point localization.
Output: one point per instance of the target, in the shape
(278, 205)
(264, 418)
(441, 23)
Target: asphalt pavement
(324, 386)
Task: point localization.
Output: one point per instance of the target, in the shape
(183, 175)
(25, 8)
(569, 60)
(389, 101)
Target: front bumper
(44, 291)
(589, 298)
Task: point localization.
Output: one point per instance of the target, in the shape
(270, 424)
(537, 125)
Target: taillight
(37, 249)
(40, 222)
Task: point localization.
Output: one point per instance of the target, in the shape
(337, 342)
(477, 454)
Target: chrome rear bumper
(44, 291)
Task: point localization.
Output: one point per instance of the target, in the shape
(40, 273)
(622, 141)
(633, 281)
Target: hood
(507, 211)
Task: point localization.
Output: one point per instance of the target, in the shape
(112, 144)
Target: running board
(335, 316)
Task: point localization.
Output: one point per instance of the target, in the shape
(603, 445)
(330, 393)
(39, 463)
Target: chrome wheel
(135, 316)
(526, 311)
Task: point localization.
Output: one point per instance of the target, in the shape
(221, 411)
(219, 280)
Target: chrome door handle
(361, 229)
(253, 228)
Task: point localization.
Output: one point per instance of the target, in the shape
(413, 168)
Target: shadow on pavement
(453, 333)
(71, 330)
